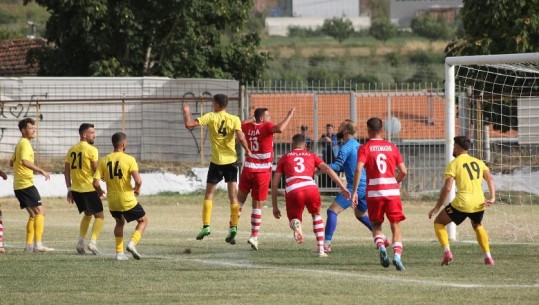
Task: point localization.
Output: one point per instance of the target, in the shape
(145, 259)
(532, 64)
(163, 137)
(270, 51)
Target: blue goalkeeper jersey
(346, 162)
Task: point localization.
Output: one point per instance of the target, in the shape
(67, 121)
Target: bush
(421, 57)
(296, 31)
(383, 29)
(430, 27)
(338, 28)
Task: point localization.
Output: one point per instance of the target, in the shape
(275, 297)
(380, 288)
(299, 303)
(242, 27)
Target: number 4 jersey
(381, 159)
(116, 168)
(298, 166)
(260, 139)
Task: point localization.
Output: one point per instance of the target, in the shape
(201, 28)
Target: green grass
(176, 268)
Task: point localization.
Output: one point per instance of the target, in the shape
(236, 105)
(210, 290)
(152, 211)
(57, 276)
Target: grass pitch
(178, 269)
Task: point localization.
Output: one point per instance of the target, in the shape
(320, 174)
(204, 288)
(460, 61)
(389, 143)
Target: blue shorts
(345, 204)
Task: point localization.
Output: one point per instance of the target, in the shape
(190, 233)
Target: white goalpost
(494, 99)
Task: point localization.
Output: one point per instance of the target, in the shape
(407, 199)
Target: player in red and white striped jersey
(256, 173)
(298, 167)
(381, 159)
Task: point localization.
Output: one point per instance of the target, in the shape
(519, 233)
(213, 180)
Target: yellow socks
(30, 231)
(96, 228)
(482, 239)
(40, 225)
(84, 225)
(206, 212)
(441, 234)
(119, 244)
(135, 238)
(234, 214)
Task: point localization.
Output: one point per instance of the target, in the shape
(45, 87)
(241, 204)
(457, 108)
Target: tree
(382, 29)
(497, 27)
(194, 38)
(430, 27)
(338, 28)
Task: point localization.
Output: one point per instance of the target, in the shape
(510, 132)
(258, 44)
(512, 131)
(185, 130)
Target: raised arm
(188, 121)
(279, 128)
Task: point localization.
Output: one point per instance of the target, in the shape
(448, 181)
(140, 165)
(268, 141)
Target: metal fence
(149, 111)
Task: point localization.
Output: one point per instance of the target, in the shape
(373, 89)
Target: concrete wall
(279, 26)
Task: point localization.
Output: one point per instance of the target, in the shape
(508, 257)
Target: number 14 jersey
(116, 168)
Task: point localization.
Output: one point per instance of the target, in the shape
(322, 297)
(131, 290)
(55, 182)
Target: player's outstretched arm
(331, 173)
(279, 128)
(188, 121)
(274, 193)
(442, 198)
(491, 188)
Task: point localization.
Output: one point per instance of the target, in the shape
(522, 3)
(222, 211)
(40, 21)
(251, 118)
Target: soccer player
(468, 173)
(380, 159)
(346, 162)
(2, 249)
(256, 173)
(298, 167)
(80, 165)
(224, 128)
(117, 169)
(25, 191)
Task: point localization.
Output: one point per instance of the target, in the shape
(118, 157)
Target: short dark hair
(329, 125)
(24, 122)
(221, 100)
(304, 127)
(463, 141)
(259, 112)
(118, 138)
(84, 127)
(375, 124)
(298, 139)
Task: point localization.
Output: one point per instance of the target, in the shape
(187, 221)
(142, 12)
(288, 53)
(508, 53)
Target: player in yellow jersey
(468, 173)
(224, 129)
(25, 191)
(80, 165)
(2, 249)
(117, 169)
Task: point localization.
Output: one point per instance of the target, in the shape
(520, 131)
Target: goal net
(494, 100)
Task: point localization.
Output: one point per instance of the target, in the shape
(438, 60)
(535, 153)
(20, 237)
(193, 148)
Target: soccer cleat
(93, 248)
(295, 224)
(28, 249)
(384, 259)
(231, 237)
(133, 251)
(398, 263)
(253, 242)
(448, 257)
(322, 254)
(489, 261)
(43, 249)
(2, 250)
(204, 232)
(121, 257)
(327, 249)
(80, 247)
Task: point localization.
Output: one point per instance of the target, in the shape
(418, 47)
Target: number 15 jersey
(116, 168)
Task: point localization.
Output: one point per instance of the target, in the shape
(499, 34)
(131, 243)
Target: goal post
(497, 97)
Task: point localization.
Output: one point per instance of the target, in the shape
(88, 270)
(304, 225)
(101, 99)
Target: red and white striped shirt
(381, 159)
(298, 167)
(260, 139)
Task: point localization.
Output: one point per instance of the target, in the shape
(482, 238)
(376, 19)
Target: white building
(404, 10)
(325, 8)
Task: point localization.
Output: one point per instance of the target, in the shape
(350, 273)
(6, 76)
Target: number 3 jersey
(116, 168)
(381, 159)
(79, 159)
(468, 174)
(260, 139)
(298, 167)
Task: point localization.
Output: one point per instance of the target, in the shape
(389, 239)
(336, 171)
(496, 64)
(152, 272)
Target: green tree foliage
(338, 28)
(383, 29)
(430, 27)
(194, 38)
(497, 27)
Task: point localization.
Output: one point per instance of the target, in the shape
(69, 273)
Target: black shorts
(217, 172)
(88, 201)
(28, 197)
(458, 217)
(137, 212)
